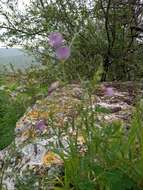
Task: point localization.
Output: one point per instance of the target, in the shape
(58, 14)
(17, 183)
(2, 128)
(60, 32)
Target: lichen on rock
(41, 130)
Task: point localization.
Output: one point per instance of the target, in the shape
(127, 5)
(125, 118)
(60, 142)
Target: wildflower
(40, 125)
(33, 114)
(80, 139)
(109, 91)
(56, 39)
(63, 53)
(51, 158)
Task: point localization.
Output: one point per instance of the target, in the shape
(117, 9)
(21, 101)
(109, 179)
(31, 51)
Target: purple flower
(56, 39)
(109, 91)
(40, 125)
(63, 53)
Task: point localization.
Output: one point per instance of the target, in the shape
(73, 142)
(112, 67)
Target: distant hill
(18, 58)
(4, 52)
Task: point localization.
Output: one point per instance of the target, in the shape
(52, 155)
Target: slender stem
(63, 70)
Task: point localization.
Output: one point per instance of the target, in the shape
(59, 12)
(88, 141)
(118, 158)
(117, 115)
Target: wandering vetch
(56, 39)
(63, 53)
(40, 125)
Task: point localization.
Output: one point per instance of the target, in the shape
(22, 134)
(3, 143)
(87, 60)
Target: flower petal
(63, 53)
(56, 39)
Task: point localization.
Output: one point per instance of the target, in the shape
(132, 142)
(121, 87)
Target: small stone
(53, 87)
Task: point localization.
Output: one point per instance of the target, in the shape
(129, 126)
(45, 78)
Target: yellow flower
(80, 139)
(51, 158)
(44, 115)
(33, 114)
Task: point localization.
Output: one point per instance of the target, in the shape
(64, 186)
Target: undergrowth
(110, 158)
(10, 112)
(18, 92)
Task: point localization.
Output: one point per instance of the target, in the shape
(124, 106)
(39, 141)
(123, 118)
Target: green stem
(63, 71)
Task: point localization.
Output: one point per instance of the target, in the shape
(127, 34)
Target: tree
(107, 31)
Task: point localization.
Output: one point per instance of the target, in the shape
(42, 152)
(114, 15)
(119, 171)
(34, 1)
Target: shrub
(10, 112)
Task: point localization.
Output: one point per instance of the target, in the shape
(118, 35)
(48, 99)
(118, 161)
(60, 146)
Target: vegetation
(105, 43)
(9, 114)
(110, 159)
(100, 32)
(18, 91)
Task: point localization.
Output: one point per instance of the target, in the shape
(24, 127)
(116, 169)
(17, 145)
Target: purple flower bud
(40, 125)
(56, 39)
(63, 53)
(109, 91)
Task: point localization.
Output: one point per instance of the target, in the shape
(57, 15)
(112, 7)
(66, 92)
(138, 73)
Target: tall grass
(112, 158)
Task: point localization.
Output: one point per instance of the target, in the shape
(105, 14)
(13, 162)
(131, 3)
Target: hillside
(18, 58)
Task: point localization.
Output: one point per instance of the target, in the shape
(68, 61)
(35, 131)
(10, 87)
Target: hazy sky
(22, 2)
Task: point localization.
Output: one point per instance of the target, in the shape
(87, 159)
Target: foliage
(112, 156)
(107, 29)
(106, 44)
(19, 91)
(10, 112)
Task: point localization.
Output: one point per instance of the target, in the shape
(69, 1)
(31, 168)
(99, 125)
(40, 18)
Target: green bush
(10, 112)
(108, 29)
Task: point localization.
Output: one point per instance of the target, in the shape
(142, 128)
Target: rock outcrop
(39, 133)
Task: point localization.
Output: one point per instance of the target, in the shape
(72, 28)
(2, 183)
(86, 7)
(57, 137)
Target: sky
(21, 3)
